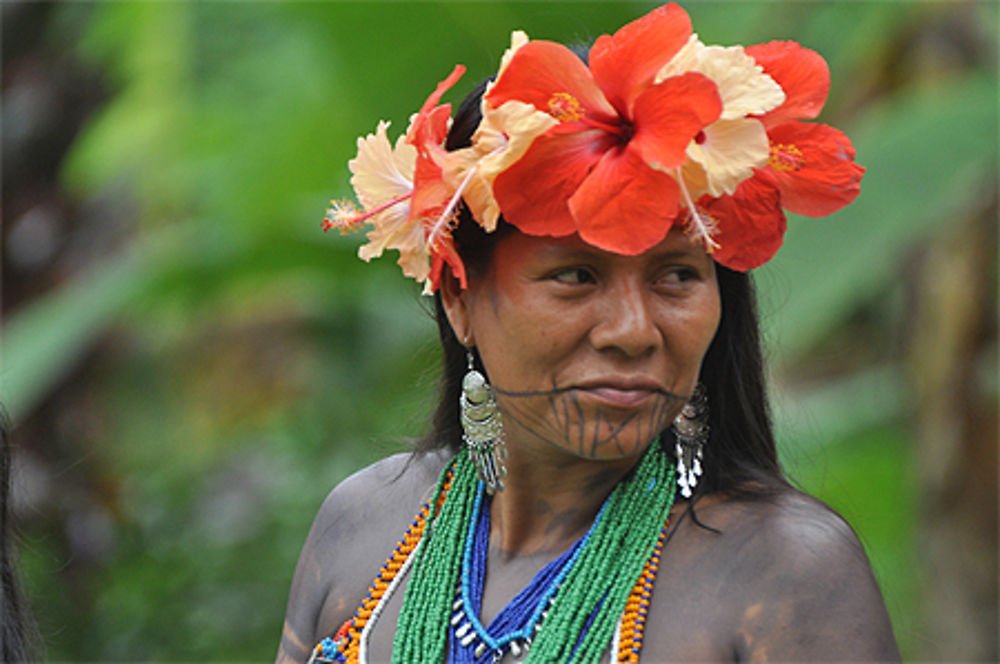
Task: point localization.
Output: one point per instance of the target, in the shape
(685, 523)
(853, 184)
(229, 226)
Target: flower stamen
(342, 215)
(447, 218)
(700, 228)
(564, 107)
(786, 157)
(695, 234)
(345, 216)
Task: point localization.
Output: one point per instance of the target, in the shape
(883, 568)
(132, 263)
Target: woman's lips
(619, 397)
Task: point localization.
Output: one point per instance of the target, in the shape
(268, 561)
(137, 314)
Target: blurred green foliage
(250, 362)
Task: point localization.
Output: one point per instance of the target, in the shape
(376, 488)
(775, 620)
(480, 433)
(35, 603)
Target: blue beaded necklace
(515, 626)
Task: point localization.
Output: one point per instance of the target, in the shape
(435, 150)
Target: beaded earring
(690, 428)
(483, 427)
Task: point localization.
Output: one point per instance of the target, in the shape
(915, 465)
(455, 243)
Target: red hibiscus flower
(431, 194)
(602, 172)
(811, 169)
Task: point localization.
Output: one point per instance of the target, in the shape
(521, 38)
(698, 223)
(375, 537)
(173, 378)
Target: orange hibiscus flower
(603, 171)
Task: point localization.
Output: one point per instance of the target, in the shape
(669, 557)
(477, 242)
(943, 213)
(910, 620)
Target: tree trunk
(952, 370)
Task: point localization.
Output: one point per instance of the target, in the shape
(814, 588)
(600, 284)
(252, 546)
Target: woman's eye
(678, 275)
(574, 275)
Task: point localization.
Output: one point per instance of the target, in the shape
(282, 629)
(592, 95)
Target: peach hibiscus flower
(404, 193)
(503, 136)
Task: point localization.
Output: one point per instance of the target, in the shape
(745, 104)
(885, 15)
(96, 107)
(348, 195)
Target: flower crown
(658, 130)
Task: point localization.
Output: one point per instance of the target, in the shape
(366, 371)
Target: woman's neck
(550, 500)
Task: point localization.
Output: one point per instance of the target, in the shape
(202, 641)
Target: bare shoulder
(783, 578)
(355, 529)
(797, 530)
(379, 490)
(815, 596)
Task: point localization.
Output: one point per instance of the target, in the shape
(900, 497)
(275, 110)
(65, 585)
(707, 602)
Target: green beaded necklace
(602, 578)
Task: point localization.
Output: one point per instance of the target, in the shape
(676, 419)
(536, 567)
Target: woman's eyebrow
(586, 254)
(572, 254)
(669, 254)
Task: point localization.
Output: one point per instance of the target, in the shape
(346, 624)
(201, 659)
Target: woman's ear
(455, 301)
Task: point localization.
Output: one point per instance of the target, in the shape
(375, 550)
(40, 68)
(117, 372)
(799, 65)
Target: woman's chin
(591, 425)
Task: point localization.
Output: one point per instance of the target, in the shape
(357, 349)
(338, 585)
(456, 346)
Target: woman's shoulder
(791, 526)
(788, 543)
(364, 516)
(814, 595)
(355, 529)
(387, 486)
(781, 577)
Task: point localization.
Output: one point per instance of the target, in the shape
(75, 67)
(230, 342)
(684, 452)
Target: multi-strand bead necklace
(595, 593)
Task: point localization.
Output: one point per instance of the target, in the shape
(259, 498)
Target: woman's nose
(625, 322)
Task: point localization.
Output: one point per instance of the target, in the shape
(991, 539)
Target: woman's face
(589, 352)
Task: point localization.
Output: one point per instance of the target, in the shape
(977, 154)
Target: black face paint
(588, 431)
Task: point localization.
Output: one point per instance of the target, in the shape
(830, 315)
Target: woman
(585, 227)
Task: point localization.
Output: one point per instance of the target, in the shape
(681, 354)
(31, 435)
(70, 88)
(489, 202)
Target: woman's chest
(700, 595)
(689, 619)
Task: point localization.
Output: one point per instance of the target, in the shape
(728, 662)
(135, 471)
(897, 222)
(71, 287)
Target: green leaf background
(246, 362)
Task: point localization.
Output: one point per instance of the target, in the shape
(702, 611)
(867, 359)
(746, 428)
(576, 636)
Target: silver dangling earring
(690, 427)
(483, 428)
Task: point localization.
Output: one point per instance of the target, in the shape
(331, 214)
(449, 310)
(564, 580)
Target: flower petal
(624, 64)
(518, 38)
(801, 72)
(405, 236)
(430, 192)
(667, 117)
(478, 192)
(534, 192)
(380, 172)
(445, 254)
(416, 133)
(503, 136)
(624, 206)
(730, 152)
(744, 87)
(814, 167)
(695, 178)
(380, 175)
(540, 71)
(749, 225)
(402, 226)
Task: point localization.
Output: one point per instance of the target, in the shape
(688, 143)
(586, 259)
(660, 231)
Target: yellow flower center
(564, 107)
(786, 157)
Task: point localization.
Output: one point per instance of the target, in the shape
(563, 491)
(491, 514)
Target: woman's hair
(740, 455)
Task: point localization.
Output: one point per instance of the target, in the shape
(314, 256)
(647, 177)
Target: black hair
(740, 456)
